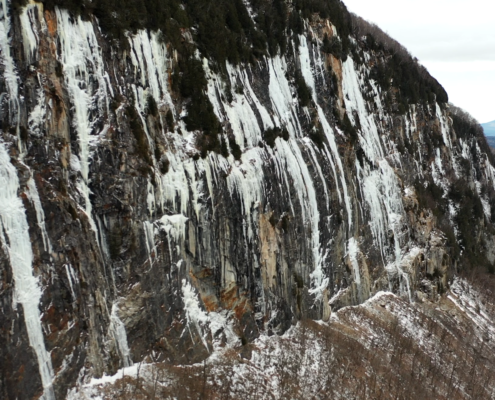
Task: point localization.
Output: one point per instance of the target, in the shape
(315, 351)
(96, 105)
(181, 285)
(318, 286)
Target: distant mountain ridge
(489, 128)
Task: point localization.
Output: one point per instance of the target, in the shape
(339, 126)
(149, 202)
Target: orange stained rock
(51, 23)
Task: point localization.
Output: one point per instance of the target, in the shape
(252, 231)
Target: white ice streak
(444, 128)
(9, 73)
(75, 163)
(194, 314)
(34, 197)
(29, 30)
(149, 233)
(81, 58)
(490, 177)
(151, 63)
(175, 227)
(118, 332)
(72, 278)
(183, 185)
(37, 115)
(307, 73)
(281, 97)
(14, 235)
(369, 137)
(240, 111)
(246, 179)
(292, 160)
(291, 156)
(382, 194)
(379, 184)
(353, 251)
(204, 322)
(314, 160)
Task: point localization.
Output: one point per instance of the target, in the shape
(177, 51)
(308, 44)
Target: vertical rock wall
(121, 243)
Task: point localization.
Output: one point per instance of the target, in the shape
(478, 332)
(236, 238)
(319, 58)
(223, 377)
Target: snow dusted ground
(386, 348)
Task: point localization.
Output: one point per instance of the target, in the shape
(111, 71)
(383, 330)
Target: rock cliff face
(129, 233)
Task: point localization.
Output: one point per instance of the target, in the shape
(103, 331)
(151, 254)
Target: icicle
(384, 199)
(281, 98)
(240, 111)
(14, 235)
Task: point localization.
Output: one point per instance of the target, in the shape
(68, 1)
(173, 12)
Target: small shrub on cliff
(272, 21)
(151, 106)
(332, 46)
(270, 135)
(317, 135)
(200, 116)
(349, 129)
(431, 197)
(224, 149)
(465, 126)
(164, 165)
(17, 5)
(296, 23)
(303, 90)
(470, 210)
(189, 79)
(334, 10)
(169, 118)
(236, 150)
(206, 143)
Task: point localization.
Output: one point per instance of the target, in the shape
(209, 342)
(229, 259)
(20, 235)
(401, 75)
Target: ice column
(84, 76)
(117, 329)
(6, 59)
(40, 215)
(307, 73)
(380, 186)
(14, 235)
(29, 30)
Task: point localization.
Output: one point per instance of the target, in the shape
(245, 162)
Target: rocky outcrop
(142, 239)
(386, 347)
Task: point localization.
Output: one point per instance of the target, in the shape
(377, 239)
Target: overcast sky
(453, 39)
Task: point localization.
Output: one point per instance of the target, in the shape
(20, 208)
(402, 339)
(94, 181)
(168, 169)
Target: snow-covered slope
(384, 348)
